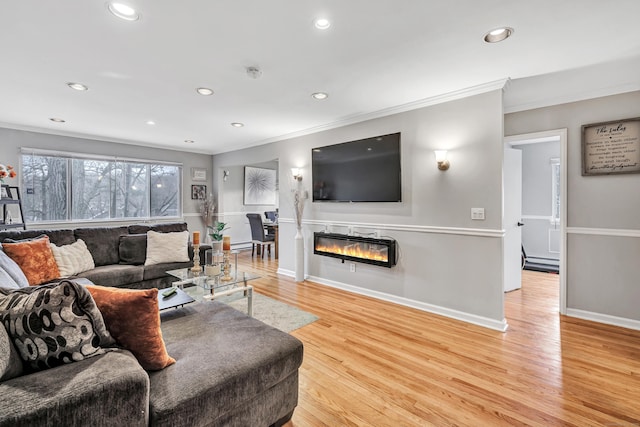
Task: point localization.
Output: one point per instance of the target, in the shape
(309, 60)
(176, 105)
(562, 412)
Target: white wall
(449, 263)
(12, 140)
(603, 240)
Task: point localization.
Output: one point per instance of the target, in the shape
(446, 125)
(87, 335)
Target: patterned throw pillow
(53, 324)
(34, 258)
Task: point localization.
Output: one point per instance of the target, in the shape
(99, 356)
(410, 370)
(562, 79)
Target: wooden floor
(373, 363)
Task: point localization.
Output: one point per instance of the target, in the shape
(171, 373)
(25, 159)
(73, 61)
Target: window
(555, 190)
(72, 187)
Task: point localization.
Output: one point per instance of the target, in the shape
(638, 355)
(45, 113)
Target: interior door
(512, 243)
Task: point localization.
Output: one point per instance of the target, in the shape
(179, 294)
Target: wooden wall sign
(611, 147)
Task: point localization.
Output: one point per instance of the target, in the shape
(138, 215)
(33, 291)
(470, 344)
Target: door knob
(520, 224)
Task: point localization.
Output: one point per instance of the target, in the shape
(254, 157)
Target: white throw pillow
(167, 247)
(72, 259)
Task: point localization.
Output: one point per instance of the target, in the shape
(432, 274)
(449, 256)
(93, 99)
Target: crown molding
(403, 108)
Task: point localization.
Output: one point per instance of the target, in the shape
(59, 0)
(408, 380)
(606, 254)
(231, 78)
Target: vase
(216, 246)
(299, 260)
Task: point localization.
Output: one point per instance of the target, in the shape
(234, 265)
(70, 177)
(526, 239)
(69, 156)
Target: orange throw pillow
(133, 319)
(35, 259)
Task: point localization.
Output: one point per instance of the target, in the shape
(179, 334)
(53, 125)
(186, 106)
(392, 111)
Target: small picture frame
(5, 193)
(198, 192)
(198, 174)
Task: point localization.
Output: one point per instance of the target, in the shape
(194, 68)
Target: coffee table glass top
(211, 282)
(215, 287)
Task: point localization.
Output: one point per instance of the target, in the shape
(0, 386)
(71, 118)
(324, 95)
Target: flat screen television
(366, 170)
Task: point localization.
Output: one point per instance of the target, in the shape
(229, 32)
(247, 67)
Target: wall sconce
(297, 174)
(225, 175)
(441, 158)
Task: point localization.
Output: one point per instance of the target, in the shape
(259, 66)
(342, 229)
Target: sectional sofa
(118, 253)
(230, 369)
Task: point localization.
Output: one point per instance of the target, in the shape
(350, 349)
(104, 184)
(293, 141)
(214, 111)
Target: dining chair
(257, 234)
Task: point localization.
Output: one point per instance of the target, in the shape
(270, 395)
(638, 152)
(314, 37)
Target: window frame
(70, 156)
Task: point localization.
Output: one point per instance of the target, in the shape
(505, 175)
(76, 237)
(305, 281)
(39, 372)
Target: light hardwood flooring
(373, 363)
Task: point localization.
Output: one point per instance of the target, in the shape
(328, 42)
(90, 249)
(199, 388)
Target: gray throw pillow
(133, 249)
(10, 361)
(7, 281)
(13, 270)
(53, 324)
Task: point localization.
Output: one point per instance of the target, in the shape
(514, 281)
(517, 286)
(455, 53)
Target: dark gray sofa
(118, 253)
(230, 370)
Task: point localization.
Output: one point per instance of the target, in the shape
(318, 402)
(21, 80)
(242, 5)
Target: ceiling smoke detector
(254, 72)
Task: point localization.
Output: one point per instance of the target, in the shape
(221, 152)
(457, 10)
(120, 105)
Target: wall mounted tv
(366, 170)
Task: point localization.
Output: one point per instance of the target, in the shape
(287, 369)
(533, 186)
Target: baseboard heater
(381, 252)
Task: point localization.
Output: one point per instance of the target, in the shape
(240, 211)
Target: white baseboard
(604, 318)
(430, 308)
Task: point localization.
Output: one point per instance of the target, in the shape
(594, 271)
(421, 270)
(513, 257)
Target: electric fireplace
(367, 250)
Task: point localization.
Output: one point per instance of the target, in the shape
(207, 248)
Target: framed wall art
(259, 186)
(198, 192)
(198, 174)
(611, 147)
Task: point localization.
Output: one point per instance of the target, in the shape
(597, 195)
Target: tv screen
(367, 170)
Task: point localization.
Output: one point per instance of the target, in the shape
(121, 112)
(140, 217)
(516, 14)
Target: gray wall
(232, 204)
(538, 233)
(448, 263)
(603, 222)
(12, 140)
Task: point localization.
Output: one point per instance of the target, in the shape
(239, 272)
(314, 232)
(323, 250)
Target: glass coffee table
(208, 288)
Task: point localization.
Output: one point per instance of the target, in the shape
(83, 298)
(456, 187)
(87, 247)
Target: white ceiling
(376, 55)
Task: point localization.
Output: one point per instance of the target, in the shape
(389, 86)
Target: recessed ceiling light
(151, 122)
(237, 124)
(123, 11)
(499, 34)
(204, 91)
(189, 141)
(322, 23)
(77, 86)
(320, 95)
(57, 120)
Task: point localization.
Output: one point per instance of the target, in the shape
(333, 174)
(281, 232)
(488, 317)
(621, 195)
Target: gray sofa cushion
(133, 249)
(11, 269)
(224, 361)
(10, 361)
(116, 275)
(59, 237)
(169, 227)
(103, 243)
(107, 390)
(160, 270)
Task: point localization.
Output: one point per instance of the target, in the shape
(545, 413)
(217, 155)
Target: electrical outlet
(352, 267)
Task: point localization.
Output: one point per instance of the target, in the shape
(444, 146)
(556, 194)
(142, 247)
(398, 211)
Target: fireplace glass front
(380, 252)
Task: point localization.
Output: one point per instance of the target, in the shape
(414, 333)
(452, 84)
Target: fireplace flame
(355, 250)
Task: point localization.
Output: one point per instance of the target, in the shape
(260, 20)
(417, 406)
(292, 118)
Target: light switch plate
(477, 214)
